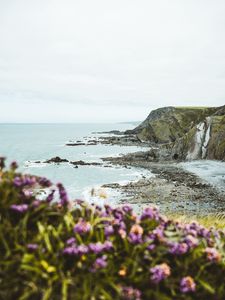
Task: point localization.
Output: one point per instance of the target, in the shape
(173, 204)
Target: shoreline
(172, 189)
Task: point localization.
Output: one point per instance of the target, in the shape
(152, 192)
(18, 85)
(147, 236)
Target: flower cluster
(92, 252)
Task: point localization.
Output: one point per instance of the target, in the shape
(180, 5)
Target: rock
(167, 124)
(75, 144)
(83, 163)
(57, 160)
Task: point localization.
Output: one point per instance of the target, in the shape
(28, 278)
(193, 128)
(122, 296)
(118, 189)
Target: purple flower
(44, 182)
(108, 209)
(191, 241)
(82, 249)
(178, 248)
(108, 230)
(50, 197)
(27, 180)
(96, 248)
(17, 181)
(108, 245)
(212, 254)
(159, 233)
(127, 209)
(159, 272)
(118, 214)
(36, 203)
(32, 247)
(63, 195)
(20, 208)
(187, 284)
(71, 241)
(135, 235)
(27, 193)
(82, 227)
(129, 293)
(75, 250)
(71, 250)
(100, 263)
(135, 238)
(151, 247)
(150, 213)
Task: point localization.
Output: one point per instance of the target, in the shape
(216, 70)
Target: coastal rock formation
(167, 124)
(56, 160)
(206, 140)
(185, 133)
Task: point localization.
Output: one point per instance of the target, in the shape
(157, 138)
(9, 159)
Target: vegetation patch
(59, 249)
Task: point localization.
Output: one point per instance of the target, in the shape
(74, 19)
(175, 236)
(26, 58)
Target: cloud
(119, 58)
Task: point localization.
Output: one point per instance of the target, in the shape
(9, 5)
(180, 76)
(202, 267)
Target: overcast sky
(108, 60)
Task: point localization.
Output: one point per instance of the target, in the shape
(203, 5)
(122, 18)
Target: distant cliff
(186, 132)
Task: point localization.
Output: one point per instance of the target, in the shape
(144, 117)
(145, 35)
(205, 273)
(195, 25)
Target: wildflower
(71, 241)
(178, 248)
(151, 247)
(127, 209)
(150, 213)
(36, 203)
(137, 229)
(160, 272)
(212, 254)
(50, 197)
(96, 248)
(82, 227)
(71, 250)
(44, 182)
(158, 232)
(122, 233)
(32, 247)
(100, 263)
(187, 284)
(108, 230)
(63, 195)
(17, 181)
(135, 238)
(107, 246)
(191, 241)
(118, 214)
(129, 293)
(27, 193)
(20, 208)
(82, 249)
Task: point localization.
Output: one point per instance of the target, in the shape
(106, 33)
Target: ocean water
(27, 143)
(211, 171)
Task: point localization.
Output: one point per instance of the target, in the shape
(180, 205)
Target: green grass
(210, 220)
(192, 107)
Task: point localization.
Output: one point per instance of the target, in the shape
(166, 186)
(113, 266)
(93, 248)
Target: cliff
(186, 132)
(167, 124)
(206, 140)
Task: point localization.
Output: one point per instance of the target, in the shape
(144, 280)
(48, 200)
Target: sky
(108, 61)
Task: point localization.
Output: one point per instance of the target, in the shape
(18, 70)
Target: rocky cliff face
(167, 124)
(186, 133)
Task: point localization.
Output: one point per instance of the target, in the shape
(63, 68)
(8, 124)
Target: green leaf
(207, 286)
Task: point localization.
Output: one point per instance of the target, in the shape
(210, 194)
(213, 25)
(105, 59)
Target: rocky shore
(171, 188)
(117, 138)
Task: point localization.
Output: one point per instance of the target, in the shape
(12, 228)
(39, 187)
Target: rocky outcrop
(185, 133)
(167, 124)
(206, 140)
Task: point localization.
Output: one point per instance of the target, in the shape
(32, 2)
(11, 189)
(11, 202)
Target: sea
(28, 143)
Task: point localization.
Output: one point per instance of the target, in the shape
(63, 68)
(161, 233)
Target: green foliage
(55, 249)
